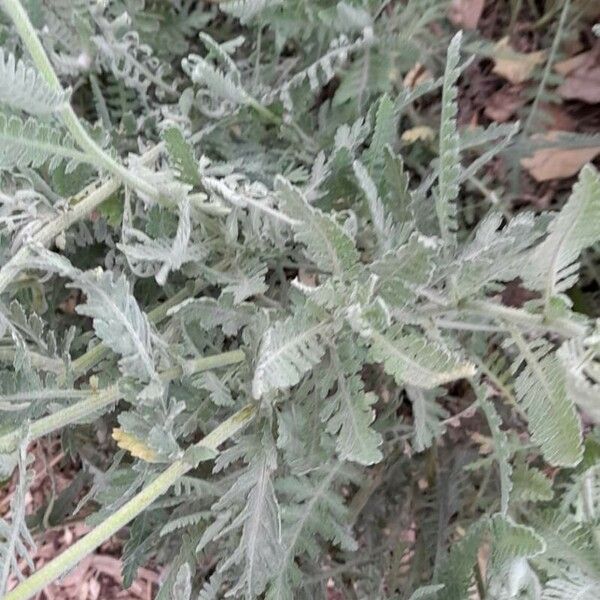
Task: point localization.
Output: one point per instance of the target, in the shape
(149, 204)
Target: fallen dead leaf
(556, 117)
(564, 67)
(582, 77)
(418, 74)
(557, 163)
(466, 13)
(483, 558)
(515, 67)
(486, 446)
(504, 103)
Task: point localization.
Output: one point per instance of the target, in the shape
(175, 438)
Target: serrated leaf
(349, 414)
(449, 150)
(118, 320)
(384, 132)
(288, 350)
(209, 313)
(553, 266)
(501, 449)
(530, 485)
(22, 87)
(258, 553)
(16, 542)
(414, 360)
(427, 414)
(182, 588)
(181, 156)
(403, 272)
(553, 420)
(378, 217)
(327, 244)
(31, 143)
(575, 586)
(512, 540)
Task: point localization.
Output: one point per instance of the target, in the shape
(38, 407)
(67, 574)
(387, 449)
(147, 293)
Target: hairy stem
(562, 326)
(80, 209)
(127, 512)
(100, 158)
(547, 68)
(109, 396)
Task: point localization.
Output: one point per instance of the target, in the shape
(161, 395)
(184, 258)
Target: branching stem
(62, 222)
(109, 396)
(127, 512)
(99, 157)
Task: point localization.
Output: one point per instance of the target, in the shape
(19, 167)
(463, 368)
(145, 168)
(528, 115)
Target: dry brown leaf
(557, 163)
(515, 67)
(504, 103)
(582, 77)
(582, 84)
(556, 117)
(564, 67)
(418, 74)
(466, 13)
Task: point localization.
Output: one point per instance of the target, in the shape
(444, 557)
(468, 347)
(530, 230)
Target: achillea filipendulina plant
(275, 308)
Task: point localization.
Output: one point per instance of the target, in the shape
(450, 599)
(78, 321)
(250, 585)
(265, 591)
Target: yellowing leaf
(515, 67)
(410, 136)
(133, 445)
(557, 163)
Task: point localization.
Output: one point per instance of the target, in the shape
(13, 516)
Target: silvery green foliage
(24, 89)
(16, 542)
(365, 283)
(32, 143)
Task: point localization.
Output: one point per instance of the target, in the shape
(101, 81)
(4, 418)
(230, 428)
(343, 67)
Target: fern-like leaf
(449, 151)
(348, 411)
(426, 414)
(287, 351)
(574, 586)
(23, 88)
(540, 389)
(327, 244)
(501, 449)
(553, 266)
(414, 360)
(313, 509)
(15, 539)
(181, 156)
(118, 320)
(258, 553)
(31, 144)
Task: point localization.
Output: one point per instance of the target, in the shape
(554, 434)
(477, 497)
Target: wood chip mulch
(96, 577)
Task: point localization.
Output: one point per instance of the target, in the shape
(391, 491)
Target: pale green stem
(203, 363)
(48, 233)
(38, 361)
(549, 63)
(102, 159)
(565, 327)
(108, 396)
(86, 545)
(61, 418)
(19, 260)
